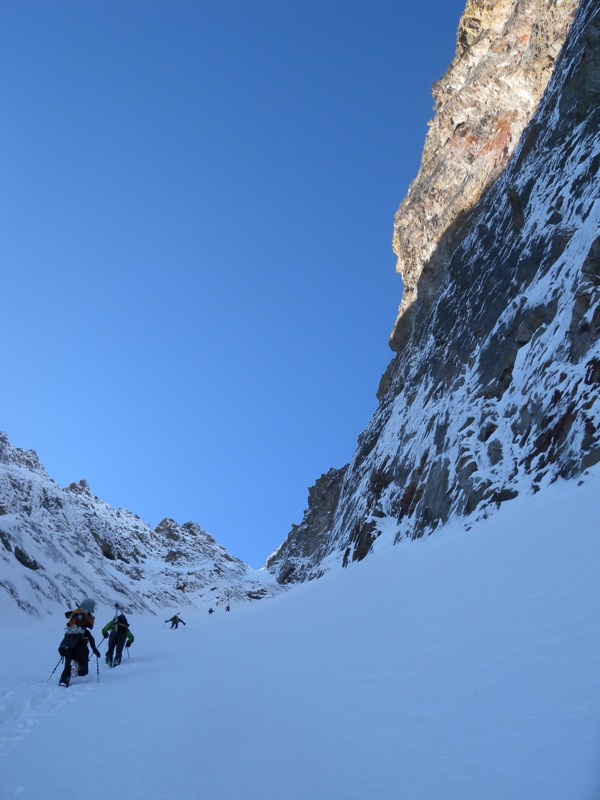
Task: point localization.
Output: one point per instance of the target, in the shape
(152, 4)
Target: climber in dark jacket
(119, 636)
(175, 620)
(74, 646)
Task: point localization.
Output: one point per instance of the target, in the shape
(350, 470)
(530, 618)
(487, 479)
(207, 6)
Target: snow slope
(462, 666)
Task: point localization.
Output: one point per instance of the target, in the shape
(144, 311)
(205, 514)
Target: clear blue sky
(196, 210)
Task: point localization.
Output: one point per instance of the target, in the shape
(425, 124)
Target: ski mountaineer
(74, 646)
(175, 620)
(119, 636)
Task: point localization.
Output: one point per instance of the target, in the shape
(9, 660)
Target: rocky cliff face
(59, 545)
(307, 545)
(504, 57)
(494, 389)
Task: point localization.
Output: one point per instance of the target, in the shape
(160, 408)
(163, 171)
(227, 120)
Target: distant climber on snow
(74, 646)
(119, 636)
(175, 620)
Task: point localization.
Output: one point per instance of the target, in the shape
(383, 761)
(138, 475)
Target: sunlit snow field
(464, 666)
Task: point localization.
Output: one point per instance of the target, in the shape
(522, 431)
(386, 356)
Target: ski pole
(97, 669)
(55, 668)
(98, 645)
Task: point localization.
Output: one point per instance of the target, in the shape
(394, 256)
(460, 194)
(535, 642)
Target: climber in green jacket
(120, 636)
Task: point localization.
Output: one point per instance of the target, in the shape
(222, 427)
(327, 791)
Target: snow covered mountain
(494, 391)
(58, 545)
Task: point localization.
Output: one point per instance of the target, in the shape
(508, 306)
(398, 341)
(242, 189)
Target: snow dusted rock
(59, 545)
(306, 544)
(495, 388)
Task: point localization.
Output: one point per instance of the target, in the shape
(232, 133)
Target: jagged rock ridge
(58, 545)
(495, 390)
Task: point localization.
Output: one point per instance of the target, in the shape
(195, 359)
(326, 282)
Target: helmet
(88, 605)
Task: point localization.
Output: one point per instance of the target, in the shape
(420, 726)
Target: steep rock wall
(504, 57)
(496, 390)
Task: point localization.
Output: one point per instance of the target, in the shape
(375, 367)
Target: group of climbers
(78, 635)
(78, 639)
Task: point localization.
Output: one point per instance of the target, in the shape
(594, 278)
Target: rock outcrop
(495, 387)
(306, 544)
(504, 58)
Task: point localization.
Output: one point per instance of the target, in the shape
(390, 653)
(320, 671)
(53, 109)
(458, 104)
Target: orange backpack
(79, 619)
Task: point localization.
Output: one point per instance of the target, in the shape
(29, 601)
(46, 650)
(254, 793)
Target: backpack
(70, 640)
(77, 622)
(79, 619)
